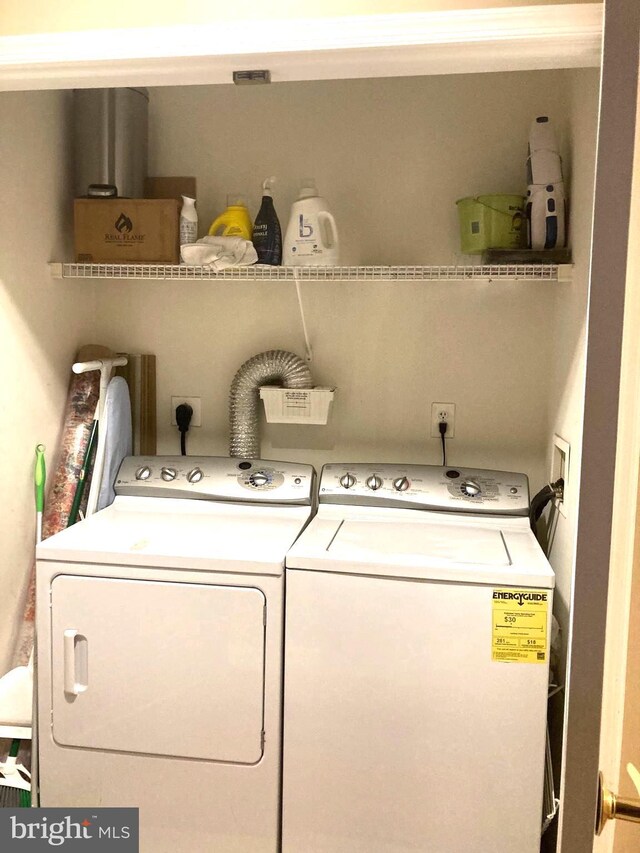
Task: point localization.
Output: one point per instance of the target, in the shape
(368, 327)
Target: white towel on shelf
(219, 252)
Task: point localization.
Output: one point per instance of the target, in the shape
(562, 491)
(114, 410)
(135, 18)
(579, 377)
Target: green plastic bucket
(491, 222)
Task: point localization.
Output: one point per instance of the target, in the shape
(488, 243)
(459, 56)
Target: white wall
(41, 323)
(392, 156)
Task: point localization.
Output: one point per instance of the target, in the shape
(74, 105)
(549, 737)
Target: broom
(15, 781)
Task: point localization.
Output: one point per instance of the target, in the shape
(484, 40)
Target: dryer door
(160, 668)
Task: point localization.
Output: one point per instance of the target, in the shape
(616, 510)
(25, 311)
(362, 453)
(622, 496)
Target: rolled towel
(219, 252)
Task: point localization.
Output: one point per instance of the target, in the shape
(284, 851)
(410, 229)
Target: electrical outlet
(560, 468)
(441, 412)
(196, 405)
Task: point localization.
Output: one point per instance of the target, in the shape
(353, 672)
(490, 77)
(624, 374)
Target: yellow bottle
(235, 221)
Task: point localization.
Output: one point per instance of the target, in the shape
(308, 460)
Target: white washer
(159, 625)
(416, 661)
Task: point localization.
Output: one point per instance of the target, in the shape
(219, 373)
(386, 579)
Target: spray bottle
(188, 221)
(267, 236)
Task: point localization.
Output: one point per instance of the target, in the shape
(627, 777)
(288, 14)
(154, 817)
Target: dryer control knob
(168, 474)
(401, 484)
(143, 472)
(347, 481)
(374, 482)
(470, 488)
(195, 475)
(259, 479)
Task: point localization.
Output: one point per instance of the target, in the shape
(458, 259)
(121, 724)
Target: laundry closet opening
(391, 156)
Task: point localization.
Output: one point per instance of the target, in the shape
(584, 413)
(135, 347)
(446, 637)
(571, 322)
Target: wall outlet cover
(441, 412)
(196, 405)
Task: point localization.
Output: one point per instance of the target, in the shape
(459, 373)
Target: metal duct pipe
(275, 367)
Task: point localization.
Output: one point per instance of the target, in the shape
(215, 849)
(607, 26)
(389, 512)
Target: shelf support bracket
(308, 352)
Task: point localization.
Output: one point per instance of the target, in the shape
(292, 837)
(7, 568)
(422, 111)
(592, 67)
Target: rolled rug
(80, 407)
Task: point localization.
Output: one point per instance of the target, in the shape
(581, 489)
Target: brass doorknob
(612, 807)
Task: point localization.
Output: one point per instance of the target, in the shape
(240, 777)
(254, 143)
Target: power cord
(184, 413)
(442, 426)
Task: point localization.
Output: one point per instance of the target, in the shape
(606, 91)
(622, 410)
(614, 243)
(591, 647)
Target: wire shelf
(179, 272)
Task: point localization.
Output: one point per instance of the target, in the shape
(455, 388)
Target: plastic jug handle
(222, 220)
(329, 230)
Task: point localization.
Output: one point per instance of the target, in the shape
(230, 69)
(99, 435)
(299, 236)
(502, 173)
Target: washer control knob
(470, 488)
(347, 481)
(374, 482)
(168, 474)
(259, 479)
(401, 484)
(195, 475)
(143, 472)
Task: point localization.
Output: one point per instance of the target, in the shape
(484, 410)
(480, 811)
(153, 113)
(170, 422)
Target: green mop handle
(82, 478)
(40, 479)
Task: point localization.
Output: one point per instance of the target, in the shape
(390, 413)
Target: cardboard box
(170, 188)
(127, 231)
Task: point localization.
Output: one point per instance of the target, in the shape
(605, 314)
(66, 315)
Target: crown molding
(468, 41)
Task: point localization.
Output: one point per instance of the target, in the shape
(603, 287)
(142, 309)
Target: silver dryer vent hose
(275, 367)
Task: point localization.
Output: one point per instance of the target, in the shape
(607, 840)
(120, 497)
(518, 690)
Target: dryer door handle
(75, 662)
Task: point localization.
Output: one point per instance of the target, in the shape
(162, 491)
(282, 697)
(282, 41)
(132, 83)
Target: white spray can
(188, 221)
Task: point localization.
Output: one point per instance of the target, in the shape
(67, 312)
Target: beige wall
(567, 387)
(40, 16)
(391, 156)
(567, 376)
(41, 323)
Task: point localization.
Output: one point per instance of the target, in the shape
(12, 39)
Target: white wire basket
(297, 405)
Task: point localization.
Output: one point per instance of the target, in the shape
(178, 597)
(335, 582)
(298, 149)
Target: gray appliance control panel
(216, 478)
(426, 487)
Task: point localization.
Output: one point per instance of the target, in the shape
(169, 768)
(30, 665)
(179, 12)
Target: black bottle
(267, 236)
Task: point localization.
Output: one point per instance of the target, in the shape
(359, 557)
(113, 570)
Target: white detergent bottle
(311, 237)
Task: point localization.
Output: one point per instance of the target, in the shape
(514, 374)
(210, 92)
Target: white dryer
(159, 624)
(416, 660)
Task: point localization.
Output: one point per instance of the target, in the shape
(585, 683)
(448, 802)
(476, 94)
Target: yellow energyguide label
(519, 631)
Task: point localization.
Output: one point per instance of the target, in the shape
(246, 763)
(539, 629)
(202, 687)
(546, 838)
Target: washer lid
(433, 547)
(415, 543)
